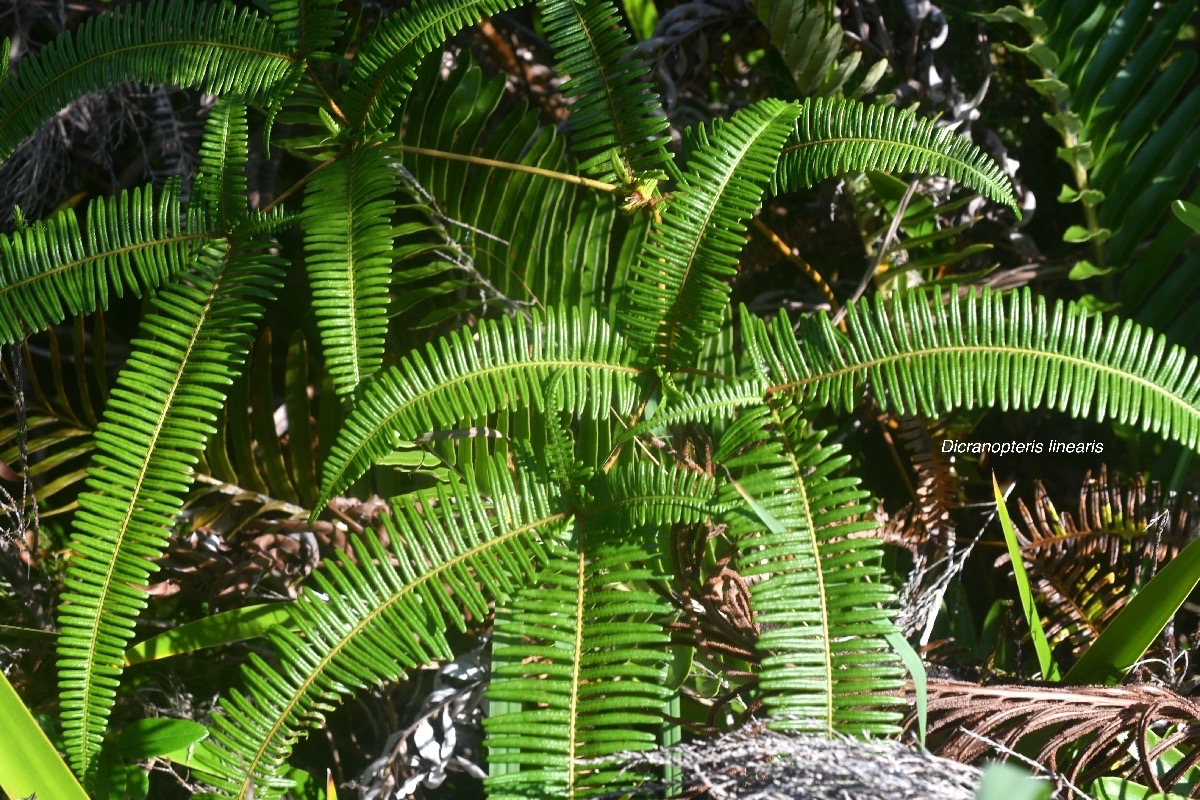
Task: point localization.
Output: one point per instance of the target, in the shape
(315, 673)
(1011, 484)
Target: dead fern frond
(1080, 732)
(1085, 572)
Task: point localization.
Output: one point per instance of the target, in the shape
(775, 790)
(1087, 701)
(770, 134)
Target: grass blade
(1040, 645)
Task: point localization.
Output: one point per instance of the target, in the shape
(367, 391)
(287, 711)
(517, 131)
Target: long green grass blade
(234, 625)
(1040, 645)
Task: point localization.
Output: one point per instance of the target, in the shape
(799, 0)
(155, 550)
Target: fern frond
(1084, 573)
(133, 244)
(808, 37)
(510, 233)
(310, 25)
(473, 373)
(1086, 731)
(677, 293)
(581, 656)
(928, 354)
(157, 420)
(371, 619)
(224, 150)
(703, 404)
(822, 609)
(210, 47)
(348, 236)
(836, 136)
(385, 67)
(615, 105)
(643, 493)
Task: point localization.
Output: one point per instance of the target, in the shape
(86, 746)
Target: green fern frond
(643, 493)
(704, 404)
(928, 354)
(310, 25)
(677, 293)
(509, 232)
(615, 105)
(580, 653)
(473, 373)
(224, 150)
(157, 420)
(213, 48)
(348, 235)
(836, 136)
(371, 619)
(49, 269)
(822, 609)
(385, 67)
(808, 37)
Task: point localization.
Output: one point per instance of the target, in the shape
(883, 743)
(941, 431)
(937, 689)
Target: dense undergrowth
(470, 398)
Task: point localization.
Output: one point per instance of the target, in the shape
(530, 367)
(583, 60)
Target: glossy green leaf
(29, 764)
(156, 736)
(1188, 213)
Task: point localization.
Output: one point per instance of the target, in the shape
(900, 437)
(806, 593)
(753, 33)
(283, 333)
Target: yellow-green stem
(565, 177)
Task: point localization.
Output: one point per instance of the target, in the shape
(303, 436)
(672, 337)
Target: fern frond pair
(372, 619)
(158, 418)
(581, 653)
(677, 292)
(822, 608)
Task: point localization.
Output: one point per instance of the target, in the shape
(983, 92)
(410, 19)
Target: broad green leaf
(29, 764)
(1188, 213)
(158, 736)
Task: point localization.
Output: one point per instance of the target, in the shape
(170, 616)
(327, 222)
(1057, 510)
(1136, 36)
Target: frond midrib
(251, 767)
(44, 88)
(352, 455)
(1028, 352)
(101, 596)
(352, 276)
(576, 668)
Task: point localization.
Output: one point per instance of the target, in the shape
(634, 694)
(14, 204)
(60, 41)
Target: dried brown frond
(714, 604)
(1083, 572)
(1080, 732)
(925, 527)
